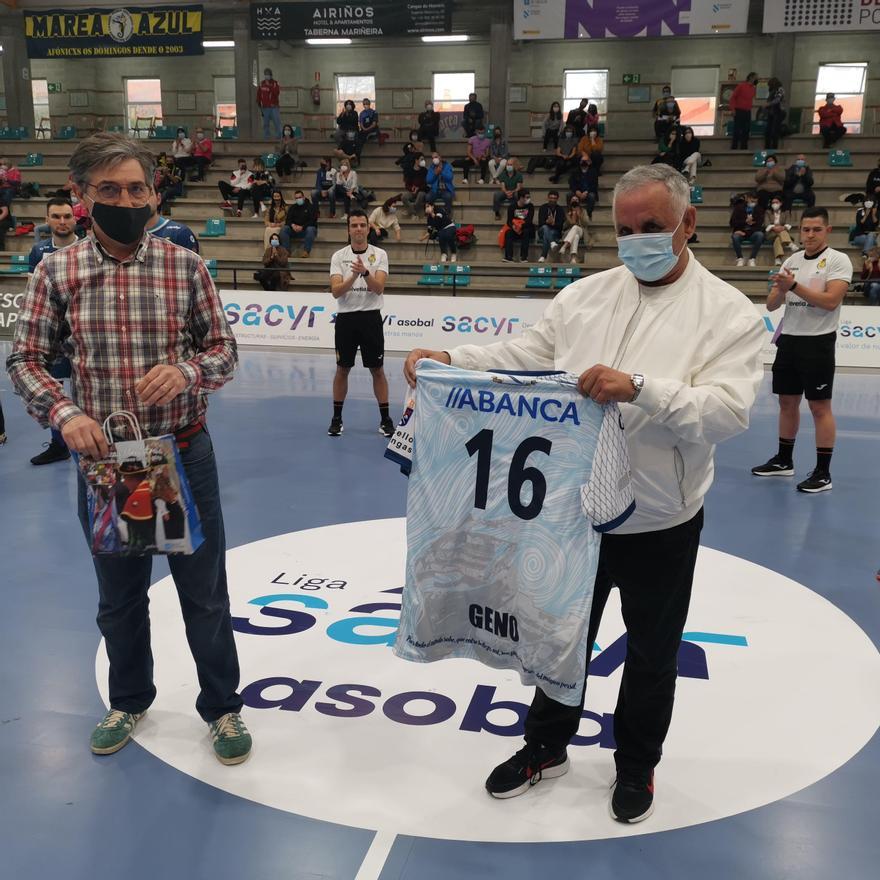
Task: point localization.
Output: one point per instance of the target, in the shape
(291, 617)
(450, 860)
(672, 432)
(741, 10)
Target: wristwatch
(638, 382)
(793, 286)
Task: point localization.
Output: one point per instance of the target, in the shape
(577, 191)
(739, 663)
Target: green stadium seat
(760, 157)
(269, 159)
(66, 133)
(602, 129)
(215, 227)
(212, 267)
(458, 275)
(696, 194)
(18, 265)
(433, 275)
(297, 132)
(9, 134)
(33, 159)
(840, 159)
(540, 277)
(117, 129)
(229, 132)
(566, 275)
(166, 132)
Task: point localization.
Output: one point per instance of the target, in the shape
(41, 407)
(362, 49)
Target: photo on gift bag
(134, 503)
(170, 514)
(101, 478)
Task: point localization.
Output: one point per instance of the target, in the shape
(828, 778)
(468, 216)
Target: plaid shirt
(116, 321)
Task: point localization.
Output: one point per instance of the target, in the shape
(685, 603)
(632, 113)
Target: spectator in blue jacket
(368, 122)
(440, 181)
(551, 217)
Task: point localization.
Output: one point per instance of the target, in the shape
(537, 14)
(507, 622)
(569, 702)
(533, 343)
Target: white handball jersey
(360, 298)
(801, 318)
(501, 563)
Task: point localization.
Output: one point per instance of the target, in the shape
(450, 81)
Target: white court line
(374, 860)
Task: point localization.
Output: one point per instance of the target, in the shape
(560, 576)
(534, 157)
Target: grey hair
(644, 175)
(108, 149)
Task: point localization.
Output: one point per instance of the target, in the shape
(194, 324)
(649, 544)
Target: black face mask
(123, 225)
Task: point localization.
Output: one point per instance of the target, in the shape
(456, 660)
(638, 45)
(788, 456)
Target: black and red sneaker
(526, 768)
(632, 796)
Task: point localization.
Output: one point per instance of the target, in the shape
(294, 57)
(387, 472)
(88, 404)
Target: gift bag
(138, 498)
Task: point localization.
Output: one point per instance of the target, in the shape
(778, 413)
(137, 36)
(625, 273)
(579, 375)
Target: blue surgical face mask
(649, 255)
(800, 163)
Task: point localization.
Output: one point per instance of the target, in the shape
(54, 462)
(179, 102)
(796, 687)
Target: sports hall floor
(807, 711)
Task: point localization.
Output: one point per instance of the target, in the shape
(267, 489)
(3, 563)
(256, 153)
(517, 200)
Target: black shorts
(805, 365)
(362, 330)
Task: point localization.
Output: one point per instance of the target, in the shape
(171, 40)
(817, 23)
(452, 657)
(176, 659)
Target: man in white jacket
(680, 351)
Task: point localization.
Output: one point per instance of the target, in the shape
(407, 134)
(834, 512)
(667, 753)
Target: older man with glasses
(144, 329)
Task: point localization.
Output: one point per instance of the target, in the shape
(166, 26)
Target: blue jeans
(123, 615)
(865, 241)
(546, 235)
(329, 193)
(273, 114)
(756, 239)
(308, 235)
(872, 292)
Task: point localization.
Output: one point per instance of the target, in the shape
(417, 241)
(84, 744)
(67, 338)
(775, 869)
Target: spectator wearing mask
(575, 228)
(478, 151)
(275, 274)
(584, 183)
(668, 150)
(498, 154)
(865, 232)
(288, 153)
(551, 219)
(552, 126)
(592, 145)
(301, 222)
(275, 216)
(774, 113)
(871, 276)
(429, 125)
(347, 127)
(383, 220)
(777, 229)
(368, 124)
(592, 120)
(237, 187)
(415, 184)
(202, 153)
(440, 181)
(441, 229)
(262, 184)
(831, 126)
(667, 114)
(171, 230)
(521, 227)
(325, 186)
(747, 227)
(510, 182)
(689, 156)
(872, 184)
(577, 118)
(566, 154)
(346, 187)
(182, 151)
(472, 116)
(769, 180)
(741, 101)
(167, 180)
(411, 150)
(268, 96)
(10, 181)
(799, 183)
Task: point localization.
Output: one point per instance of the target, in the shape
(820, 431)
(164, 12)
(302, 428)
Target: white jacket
(698, 344)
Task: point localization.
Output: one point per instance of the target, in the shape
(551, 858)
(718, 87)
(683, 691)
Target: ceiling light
(218, 44)
(334, 41)
(447, 38)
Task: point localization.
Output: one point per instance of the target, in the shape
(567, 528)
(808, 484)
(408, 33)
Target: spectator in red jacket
(10, 181)
(268, 93)
(741, 102)
(830, 126)
(203, 152)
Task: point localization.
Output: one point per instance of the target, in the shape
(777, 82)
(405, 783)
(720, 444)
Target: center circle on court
(777, 688)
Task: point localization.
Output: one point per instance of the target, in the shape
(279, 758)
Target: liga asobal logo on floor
(346, 732)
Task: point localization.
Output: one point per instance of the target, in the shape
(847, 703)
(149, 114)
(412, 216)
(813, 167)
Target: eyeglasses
(110, 193)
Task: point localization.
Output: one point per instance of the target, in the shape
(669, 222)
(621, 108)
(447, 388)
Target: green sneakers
(114, 731)
(232, 742)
